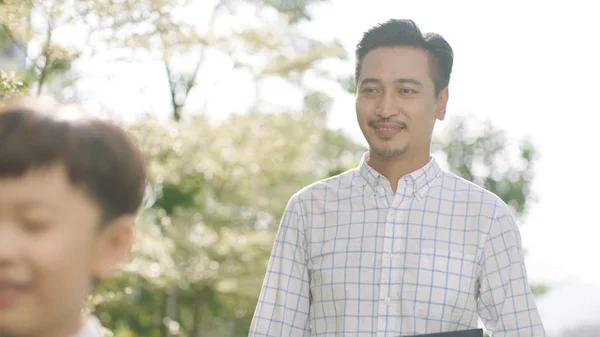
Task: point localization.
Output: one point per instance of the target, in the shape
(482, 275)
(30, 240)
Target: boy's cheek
(62, 271)
(53, 295)
(59, 271)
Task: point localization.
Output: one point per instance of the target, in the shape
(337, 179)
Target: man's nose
(388, 105)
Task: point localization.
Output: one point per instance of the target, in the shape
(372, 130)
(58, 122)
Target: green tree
(209, 206)
(32, 28)
(10, 85)
(269, 45)
(219, 193)
(482, 153)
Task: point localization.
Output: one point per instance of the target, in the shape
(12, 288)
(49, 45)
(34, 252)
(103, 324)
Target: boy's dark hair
(99, 156)
(394, 33)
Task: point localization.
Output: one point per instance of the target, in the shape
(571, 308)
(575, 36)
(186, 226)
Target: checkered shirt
(353, 258)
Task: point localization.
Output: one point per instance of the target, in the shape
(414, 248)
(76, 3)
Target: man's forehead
(396, 65)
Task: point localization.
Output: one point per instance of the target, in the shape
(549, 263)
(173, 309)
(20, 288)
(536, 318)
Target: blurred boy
(70, 188)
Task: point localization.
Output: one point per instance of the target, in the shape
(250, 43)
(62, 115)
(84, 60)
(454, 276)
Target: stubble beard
(388, 153)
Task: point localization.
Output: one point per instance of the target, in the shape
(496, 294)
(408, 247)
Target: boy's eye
(35, 225)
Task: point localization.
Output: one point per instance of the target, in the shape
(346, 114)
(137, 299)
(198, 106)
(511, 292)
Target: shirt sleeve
(506, 304)
(284, 301)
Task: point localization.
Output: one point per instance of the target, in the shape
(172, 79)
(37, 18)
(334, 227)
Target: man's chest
(408, 261)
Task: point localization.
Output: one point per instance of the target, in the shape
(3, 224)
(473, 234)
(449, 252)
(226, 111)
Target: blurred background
(237, 104)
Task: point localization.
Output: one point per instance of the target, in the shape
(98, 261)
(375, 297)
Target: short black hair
(397, 32)
(99, 156)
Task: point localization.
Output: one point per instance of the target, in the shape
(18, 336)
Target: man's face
(396, 104)
(51, 245)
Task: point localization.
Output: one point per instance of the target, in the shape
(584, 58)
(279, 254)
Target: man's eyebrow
(409, 81)
(368, 80)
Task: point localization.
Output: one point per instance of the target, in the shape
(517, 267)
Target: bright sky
(530, 66)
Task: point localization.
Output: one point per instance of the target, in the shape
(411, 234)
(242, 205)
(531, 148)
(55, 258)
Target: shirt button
(390, 256)
(387, 300)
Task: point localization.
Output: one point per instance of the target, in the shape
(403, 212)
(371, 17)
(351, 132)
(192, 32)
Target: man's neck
(397, 167)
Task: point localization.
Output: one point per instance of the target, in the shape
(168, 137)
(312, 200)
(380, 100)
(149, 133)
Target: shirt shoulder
(487, 202)
(343, 182)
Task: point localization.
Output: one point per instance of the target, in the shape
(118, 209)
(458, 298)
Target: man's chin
(388, 153)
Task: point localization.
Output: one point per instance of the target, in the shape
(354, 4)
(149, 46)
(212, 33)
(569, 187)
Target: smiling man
(397, 246)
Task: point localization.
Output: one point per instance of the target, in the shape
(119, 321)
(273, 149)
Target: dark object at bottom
(460, 333)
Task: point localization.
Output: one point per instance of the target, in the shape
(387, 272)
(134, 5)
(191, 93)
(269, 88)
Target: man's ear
(442, 102)
(114, 244)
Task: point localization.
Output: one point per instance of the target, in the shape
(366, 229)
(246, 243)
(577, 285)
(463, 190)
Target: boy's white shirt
(92, 328)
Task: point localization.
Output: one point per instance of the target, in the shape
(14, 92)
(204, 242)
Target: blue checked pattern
(351, 258)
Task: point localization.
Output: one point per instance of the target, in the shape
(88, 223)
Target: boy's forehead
(48, 190)
(43, 186)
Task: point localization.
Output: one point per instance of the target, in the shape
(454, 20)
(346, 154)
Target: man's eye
(406, 91)
(369, 90)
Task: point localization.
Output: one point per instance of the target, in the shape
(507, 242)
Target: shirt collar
(420, 180)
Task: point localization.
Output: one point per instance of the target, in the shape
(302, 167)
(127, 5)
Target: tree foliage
(31, 27)
(218, 193)
(490, 159)
(259, 36)
(10, 85)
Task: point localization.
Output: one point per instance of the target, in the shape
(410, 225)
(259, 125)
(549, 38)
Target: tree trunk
(170, 308)
(47, 59)
(199, 301)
